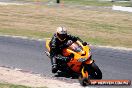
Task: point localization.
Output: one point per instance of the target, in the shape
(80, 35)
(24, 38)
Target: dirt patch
(14, 76)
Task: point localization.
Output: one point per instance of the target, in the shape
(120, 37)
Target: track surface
(29, 55)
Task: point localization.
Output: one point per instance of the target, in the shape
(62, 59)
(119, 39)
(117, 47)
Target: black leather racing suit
(56, 47)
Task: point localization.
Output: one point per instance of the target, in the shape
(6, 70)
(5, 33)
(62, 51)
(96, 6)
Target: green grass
(7, 85)
(94, 26)
(2, 85)
(96, 2)
(87, 2)
(28, 33)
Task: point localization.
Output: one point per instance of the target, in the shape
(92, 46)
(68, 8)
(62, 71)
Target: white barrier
(120, 8)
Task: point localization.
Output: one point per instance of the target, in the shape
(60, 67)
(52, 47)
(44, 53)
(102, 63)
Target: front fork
(84, 73)
(84, 70)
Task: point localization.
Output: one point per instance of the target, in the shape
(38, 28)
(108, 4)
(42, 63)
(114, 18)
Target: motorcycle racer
(59, 42)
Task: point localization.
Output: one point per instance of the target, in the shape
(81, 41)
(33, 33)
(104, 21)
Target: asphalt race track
(29, 55)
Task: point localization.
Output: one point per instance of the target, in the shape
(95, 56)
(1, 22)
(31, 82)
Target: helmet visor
(62, 36)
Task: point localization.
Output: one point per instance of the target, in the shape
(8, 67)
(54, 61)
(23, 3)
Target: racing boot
(54, 68)
(54, 65)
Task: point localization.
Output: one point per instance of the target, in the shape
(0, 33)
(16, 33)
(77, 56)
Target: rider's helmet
(61, 33)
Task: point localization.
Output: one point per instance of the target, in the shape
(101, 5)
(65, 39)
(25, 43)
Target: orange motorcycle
(81, 64)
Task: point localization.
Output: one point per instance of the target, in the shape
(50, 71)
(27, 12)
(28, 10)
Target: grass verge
(5, 85)
(96, 2)
(95, 26)
(28, 33)
(87, 2)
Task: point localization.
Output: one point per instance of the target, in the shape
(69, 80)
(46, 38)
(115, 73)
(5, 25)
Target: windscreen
(76, 47)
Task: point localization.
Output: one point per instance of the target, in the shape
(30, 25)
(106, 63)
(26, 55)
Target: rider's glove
(85, 43)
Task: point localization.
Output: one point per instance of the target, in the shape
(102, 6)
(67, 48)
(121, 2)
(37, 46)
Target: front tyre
(84, 81)
(96, 72)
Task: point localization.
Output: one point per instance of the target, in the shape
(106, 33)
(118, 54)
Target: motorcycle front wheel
(95, 72)
(84, 81)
